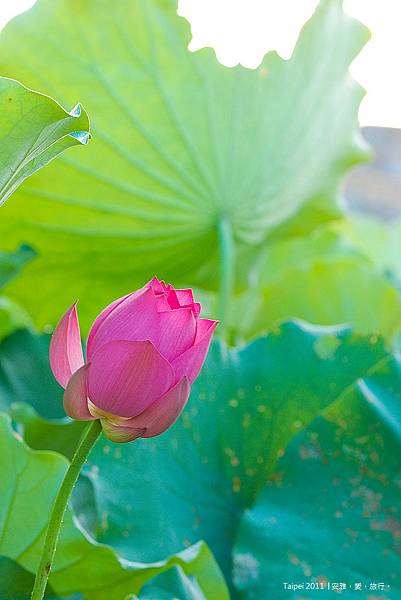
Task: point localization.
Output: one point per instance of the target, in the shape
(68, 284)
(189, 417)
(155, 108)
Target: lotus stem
(87, 441)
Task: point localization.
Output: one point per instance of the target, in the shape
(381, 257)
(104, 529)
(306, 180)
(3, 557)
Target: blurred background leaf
(378, 240)
(34, 129)
(263, 149)
(325, 278)
(333, 511)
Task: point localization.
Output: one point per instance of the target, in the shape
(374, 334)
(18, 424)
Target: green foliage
(151, 498)
(349, 461)
(30, 481)
(34, 129)
(180, 142)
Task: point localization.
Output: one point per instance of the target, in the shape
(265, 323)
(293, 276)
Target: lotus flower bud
(143, 353)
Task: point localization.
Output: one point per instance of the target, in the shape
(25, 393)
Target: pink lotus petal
(190, 362)
(126, 377)
(76, 396)
(139, 318)
(185, 297)
(121, 318)
(120, 434)
(205, 327)
(106, 312)
(66, 354)
(186, 300)
(157, 286)
(174, 332)
(134, 319)
(162, 303)
(164, 412)
(172, 297)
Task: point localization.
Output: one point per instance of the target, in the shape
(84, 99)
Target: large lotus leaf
(30, 480)
(154, 497)
(333, 512)
(322, 279)
(12, 316)
(34, 129)
(180, 144)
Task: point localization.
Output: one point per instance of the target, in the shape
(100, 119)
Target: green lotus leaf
(332, 514)
(181, 146)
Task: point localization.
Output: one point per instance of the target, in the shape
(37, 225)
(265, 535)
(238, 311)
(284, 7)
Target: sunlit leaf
(180, 143)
